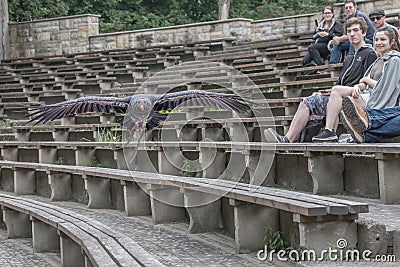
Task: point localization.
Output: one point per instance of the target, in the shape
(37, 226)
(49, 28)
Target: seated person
(341, 44)
(352, 71)
(326, 30)
(370, 125)
(381, 80)
(378, 18)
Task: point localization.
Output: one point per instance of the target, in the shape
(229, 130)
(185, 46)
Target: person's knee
(303, 106)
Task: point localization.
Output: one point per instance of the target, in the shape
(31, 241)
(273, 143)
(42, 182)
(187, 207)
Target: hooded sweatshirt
(387, 89)
(355, 66)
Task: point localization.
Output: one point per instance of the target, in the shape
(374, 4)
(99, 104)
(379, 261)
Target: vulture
(144, 111)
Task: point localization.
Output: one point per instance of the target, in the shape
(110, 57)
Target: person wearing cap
(378, 18)
(341, 44)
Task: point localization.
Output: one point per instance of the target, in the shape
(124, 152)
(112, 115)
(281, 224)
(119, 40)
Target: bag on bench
(313, 127)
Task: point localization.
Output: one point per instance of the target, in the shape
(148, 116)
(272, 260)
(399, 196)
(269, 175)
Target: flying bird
(144, 111)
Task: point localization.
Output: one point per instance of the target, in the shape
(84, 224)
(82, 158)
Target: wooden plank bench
(301, 216)
(82, 241)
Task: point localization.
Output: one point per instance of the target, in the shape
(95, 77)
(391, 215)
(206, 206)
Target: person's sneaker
(357, 136)
(273, 137)
(325, 135)
(355, 114)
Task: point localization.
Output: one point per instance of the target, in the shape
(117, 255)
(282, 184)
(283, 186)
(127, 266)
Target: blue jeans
(383, 124)
(337, 50)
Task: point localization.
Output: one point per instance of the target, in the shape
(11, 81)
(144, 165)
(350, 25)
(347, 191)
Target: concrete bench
(82, 242)
(246, 209)
(367, 170)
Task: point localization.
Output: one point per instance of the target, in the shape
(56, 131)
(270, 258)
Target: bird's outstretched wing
(79, 106)
(197, 98)
(194, 98)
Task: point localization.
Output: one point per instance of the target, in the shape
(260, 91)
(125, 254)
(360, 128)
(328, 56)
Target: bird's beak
(141, 105)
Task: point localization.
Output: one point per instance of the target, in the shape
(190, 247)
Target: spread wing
(79, 106)
(195, 98)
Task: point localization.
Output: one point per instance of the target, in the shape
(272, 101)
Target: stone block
(83, 156)
(24, 181)
(71, 254)
(9, 153)
(389, 182)
(99, 191)
(319, 233)
(326, 173)
(117, 195)
(42, 184)
(44, 237)
(292, 172)
(18, 224)
(372, 236)
(361, 176)
(61, 186)
(212, 162)
(167, 205)
(204, 211)
(137, 201)
(7, 180)
(250, 223)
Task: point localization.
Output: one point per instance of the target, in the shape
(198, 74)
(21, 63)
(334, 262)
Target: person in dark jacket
(353, 70)
(326, 30)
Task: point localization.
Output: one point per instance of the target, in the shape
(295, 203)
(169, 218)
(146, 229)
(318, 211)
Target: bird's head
(139, 111)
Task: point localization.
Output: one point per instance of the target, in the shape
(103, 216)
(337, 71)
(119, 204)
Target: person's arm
(387, 89)
(369, 81)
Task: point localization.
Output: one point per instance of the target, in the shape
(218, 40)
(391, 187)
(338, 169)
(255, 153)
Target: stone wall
(238, 28)
(58, 36)
(74, 34)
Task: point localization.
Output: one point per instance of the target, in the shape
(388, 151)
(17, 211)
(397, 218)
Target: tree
(224, 9)
(4, 35)
(123, 15)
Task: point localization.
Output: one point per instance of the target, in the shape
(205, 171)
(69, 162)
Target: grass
(274, 240)
(60, 161)
(84, 199)
(188, 170)
(108, 135)
(94, 163)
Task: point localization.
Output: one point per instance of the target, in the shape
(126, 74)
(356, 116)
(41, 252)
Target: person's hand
(335, 40)
(323, 34)
(356, 91)
(365, 80)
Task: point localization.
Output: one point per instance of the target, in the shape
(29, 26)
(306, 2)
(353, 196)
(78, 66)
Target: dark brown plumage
(143, 109)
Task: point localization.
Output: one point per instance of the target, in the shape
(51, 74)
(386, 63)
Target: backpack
(313, 127)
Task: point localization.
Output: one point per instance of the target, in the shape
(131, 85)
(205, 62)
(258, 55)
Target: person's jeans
(383, 124)
(337, 50)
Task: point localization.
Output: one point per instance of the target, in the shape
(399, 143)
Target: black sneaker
(325, 135)
(273, 137)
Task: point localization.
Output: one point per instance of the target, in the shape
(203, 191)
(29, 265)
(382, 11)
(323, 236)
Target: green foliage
(108, 135)
(118, 15)
(60, 161)
(94, 163)
(274, 240)
(3, 124)
(84, 199)
(188, 170)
